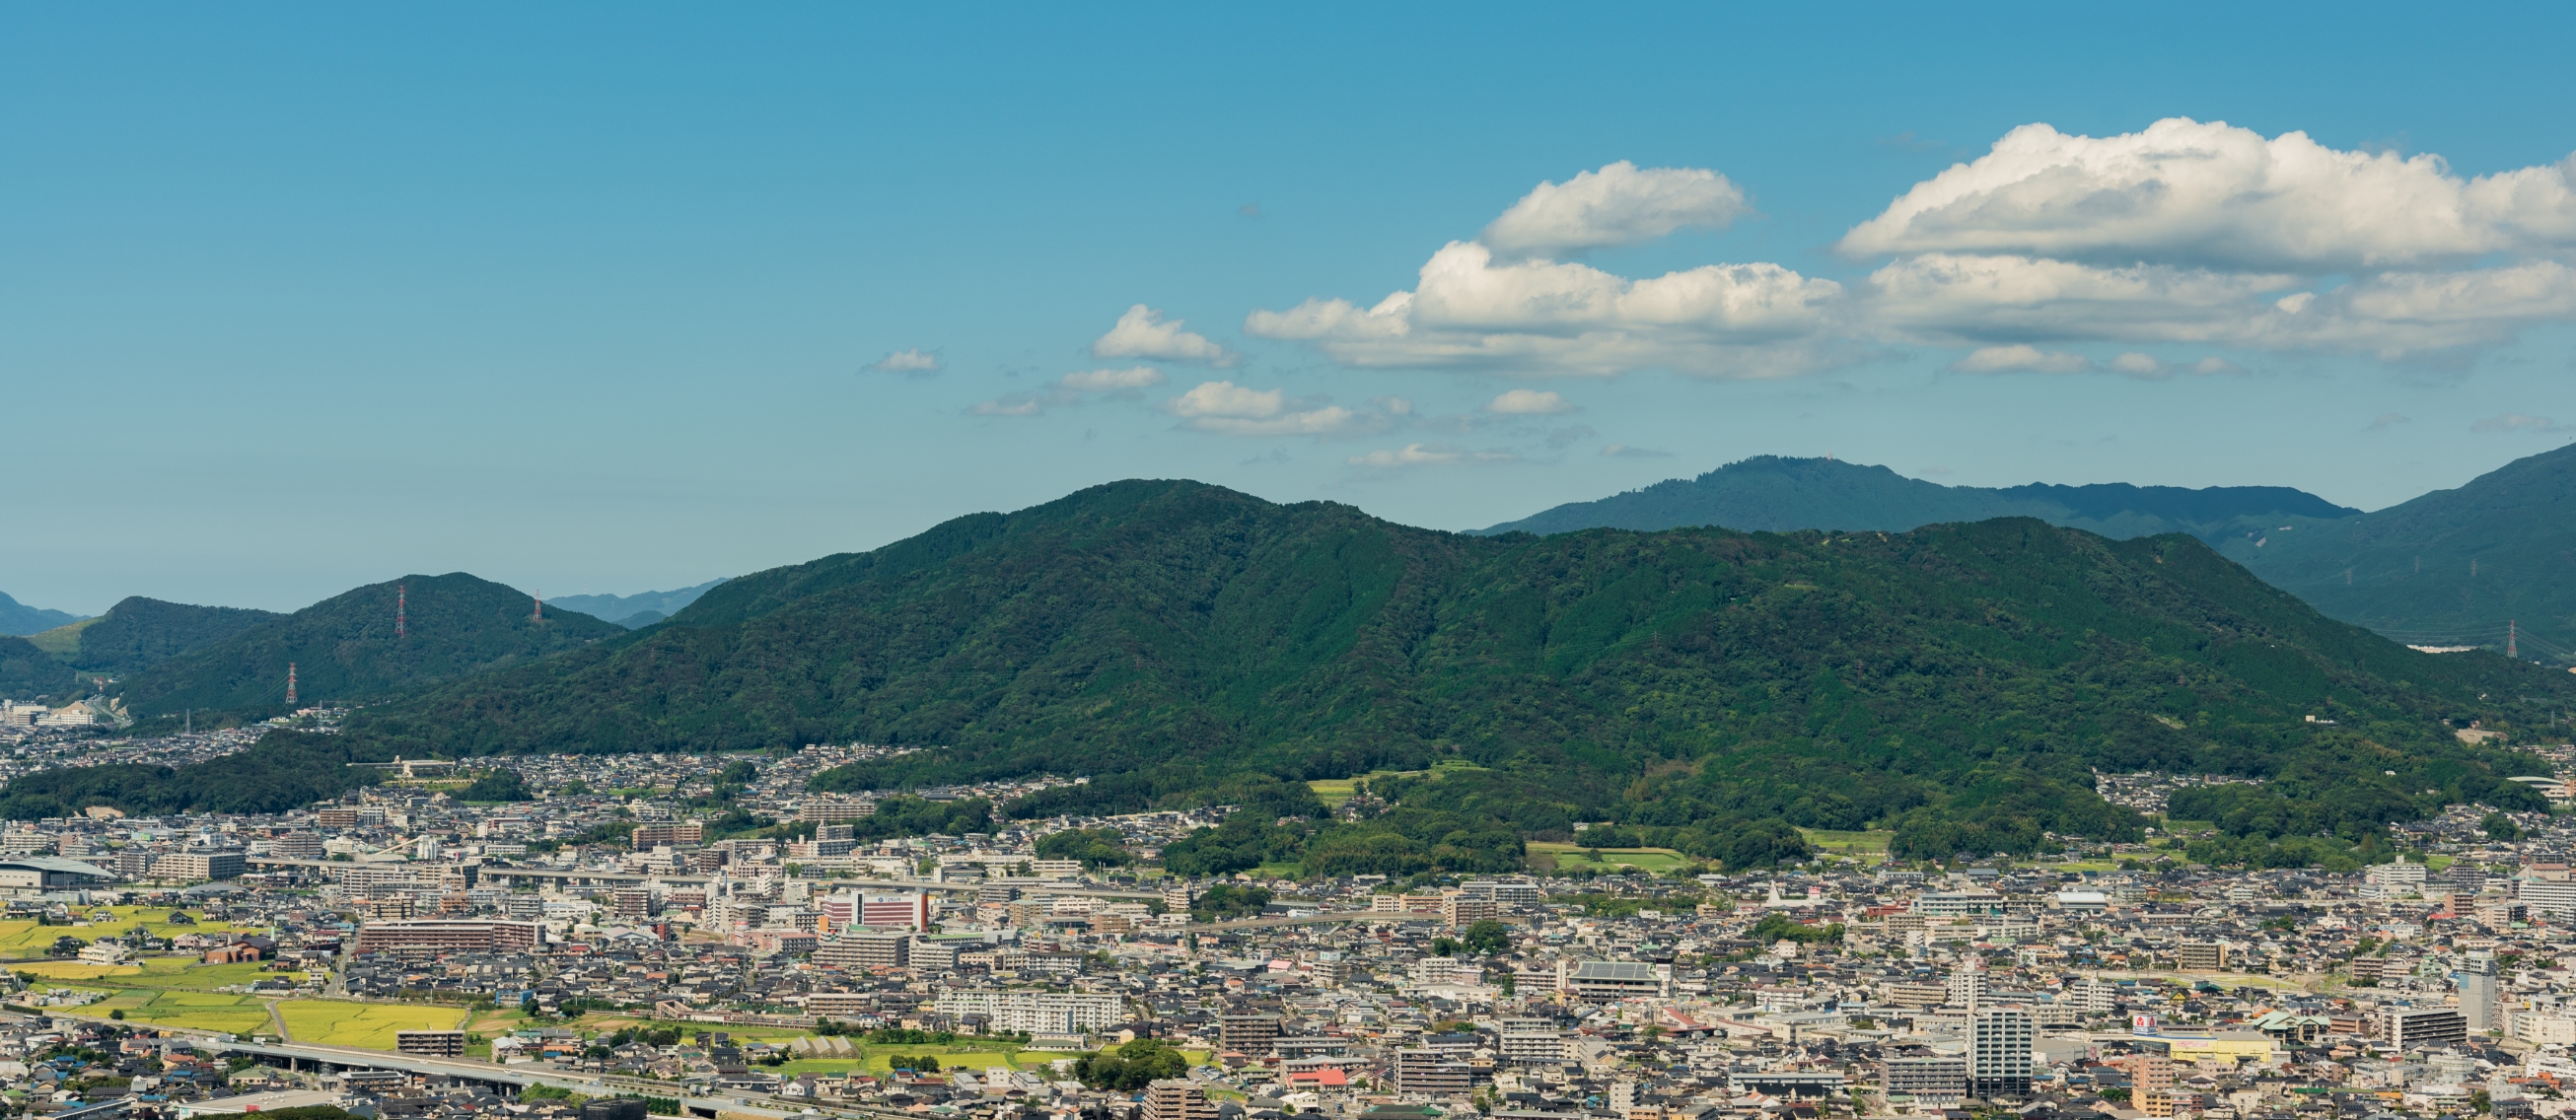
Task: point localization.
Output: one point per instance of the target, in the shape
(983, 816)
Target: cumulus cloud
(1143, 333)
(1617, 205)
(1230, 409)
(2517, 422)
(915, 362)
(2183, 234)
(2021, 358)
(1528, 402)
(2194, 194)
(1468, 310)
(1430, 455)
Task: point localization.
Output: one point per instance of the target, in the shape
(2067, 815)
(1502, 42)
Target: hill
(19, 619)
(344, 648)
(632, 611)
(28, 673)
(2452, 567)
(1774, 494)
(1181, 643)
(138, 633)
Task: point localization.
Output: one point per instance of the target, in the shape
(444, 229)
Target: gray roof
(56, 864)
(1613, 970)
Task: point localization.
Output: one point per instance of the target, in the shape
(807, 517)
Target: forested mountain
(639, 610)
(20, 619)
(1705, 688)
(2452, 567)
(27, 673)
(344, 648)
(1774, 494)
(138, 633)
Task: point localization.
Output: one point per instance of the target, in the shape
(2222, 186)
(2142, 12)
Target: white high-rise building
(1968, 983)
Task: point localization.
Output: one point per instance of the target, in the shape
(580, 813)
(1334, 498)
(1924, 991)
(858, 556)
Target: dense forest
(345, 650)
(1704, 689)
(139, 633)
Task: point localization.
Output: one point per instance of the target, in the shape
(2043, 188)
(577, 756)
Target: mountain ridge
(20, 620)
(1778, 494)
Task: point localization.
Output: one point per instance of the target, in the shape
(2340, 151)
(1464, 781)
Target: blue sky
(585, 298)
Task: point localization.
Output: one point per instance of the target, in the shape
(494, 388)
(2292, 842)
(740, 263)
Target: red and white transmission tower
(290, 684)
(538, 612)
(402, 595)
(2512, 630)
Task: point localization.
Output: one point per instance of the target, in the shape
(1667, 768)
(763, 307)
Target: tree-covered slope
(2452, 567)
(1164, 636)
(344, 648)
(138, 633)
(1775, 494)
(27, 673)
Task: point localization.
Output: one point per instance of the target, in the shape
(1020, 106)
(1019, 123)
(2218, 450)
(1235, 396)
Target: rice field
(369, 1026)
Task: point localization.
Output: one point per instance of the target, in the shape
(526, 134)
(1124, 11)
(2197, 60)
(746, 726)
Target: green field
(1653, 861)
(206, 1011)
(369, 1026)
(1848, 843)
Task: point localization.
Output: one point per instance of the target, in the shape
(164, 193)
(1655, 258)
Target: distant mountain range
(2468, 566)
(20, 619)
(1768, 493)
(635, 611)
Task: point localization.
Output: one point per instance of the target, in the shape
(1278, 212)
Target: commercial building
(32, 875)
(1935, 1077)
(432, 937)
(1421, 1070)
(2412, 1028)
(669, 834)
(1612, 980)
(1033, 1011)
(1175, 1099)
(1250, 1035)
(435, 1044)
(896, 911)
(1999, 1055)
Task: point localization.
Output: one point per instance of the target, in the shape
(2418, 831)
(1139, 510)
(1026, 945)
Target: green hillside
(1706, 689)
(27, 673)
(2452, 567)
(139, 633)
(344, 649)
(1776, 494)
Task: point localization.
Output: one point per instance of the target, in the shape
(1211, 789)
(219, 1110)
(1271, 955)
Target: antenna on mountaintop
(538, 612)
(2512, 630)
(290, 684)
(402, 593)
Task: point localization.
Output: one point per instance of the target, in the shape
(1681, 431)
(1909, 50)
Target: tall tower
(2512, 631)
(290, 684)
(538, 612)
(402, 595)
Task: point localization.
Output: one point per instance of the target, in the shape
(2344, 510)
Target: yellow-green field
(1654, 861)
(369, 1026)
(150, 972)
(1333, 791)
(30, 940)
(1860, 844)
(206, 1011)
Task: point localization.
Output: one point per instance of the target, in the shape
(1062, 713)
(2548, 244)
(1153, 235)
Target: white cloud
(1528, 402)
(2196, 194)
(1113, 380)
(2516, 422)
(1623, 451)
(1617, 205)
(2021, 358)
(1013, 404)
(919, 362)
(2135, 364)
(2213, 365)
(1143, 333)
(1541, 317)
(1230, 409)
(1429, 455)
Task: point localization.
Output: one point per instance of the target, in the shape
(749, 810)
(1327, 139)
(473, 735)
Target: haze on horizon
(301, 297)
